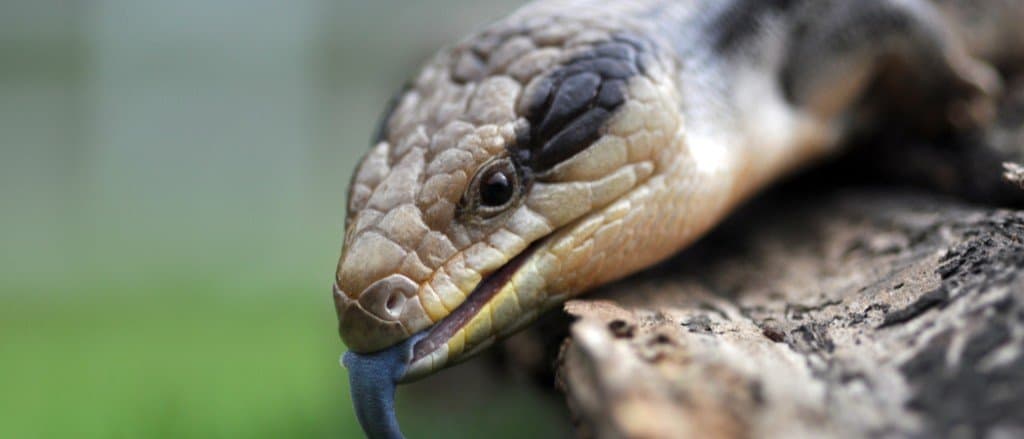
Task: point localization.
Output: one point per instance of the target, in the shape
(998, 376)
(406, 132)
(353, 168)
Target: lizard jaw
(432, 352)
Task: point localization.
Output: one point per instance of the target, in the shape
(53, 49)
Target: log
(852, 313)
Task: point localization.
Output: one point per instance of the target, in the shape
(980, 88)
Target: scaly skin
(707, 102)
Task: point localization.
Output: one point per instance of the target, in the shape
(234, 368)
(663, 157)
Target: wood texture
(860, 314)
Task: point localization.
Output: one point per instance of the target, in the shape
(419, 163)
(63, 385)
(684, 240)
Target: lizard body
(578, 141)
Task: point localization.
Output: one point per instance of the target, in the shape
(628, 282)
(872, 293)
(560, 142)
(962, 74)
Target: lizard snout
(376, 319)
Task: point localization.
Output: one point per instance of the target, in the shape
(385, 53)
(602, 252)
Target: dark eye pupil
(496, 189)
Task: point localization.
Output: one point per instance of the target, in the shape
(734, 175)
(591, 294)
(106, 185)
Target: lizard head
(519, 168)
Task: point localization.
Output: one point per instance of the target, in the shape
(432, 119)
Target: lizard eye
(494, 188)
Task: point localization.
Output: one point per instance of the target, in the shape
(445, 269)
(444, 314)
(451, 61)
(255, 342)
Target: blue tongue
(372, 380)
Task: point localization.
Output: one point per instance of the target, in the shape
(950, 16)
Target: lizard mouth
(439, 334)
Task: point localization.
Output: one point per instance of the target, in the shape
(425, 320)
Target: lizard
(575, 142)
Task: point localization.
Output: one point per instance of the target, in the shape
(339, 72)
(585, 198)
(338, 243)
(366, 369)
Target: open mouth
(439, 334)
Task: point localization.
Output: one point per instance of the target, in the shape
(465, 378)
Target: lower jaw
(439, 358)
(430, 353)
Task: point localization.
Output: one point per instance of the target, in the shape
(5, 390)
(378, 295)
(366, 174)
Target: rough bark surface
(853, 314)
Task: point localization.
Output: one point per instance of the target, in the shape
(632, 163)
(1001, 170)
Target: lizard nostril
(394, 303)
(386, 298)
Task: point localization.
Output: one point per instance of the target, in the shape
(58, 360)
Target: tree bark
(850, 314)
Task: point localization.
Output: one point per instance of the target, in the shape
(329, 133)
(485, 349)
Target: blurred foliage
(187, 361)
(172, 185)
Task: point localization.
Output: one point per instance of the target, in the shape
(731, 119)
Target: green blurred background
(172, 185)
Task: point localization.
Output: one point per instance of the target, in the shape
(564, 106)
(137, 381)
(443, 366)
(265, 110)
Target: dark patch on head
(741, 20)
(567, 108)
(381, 132)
